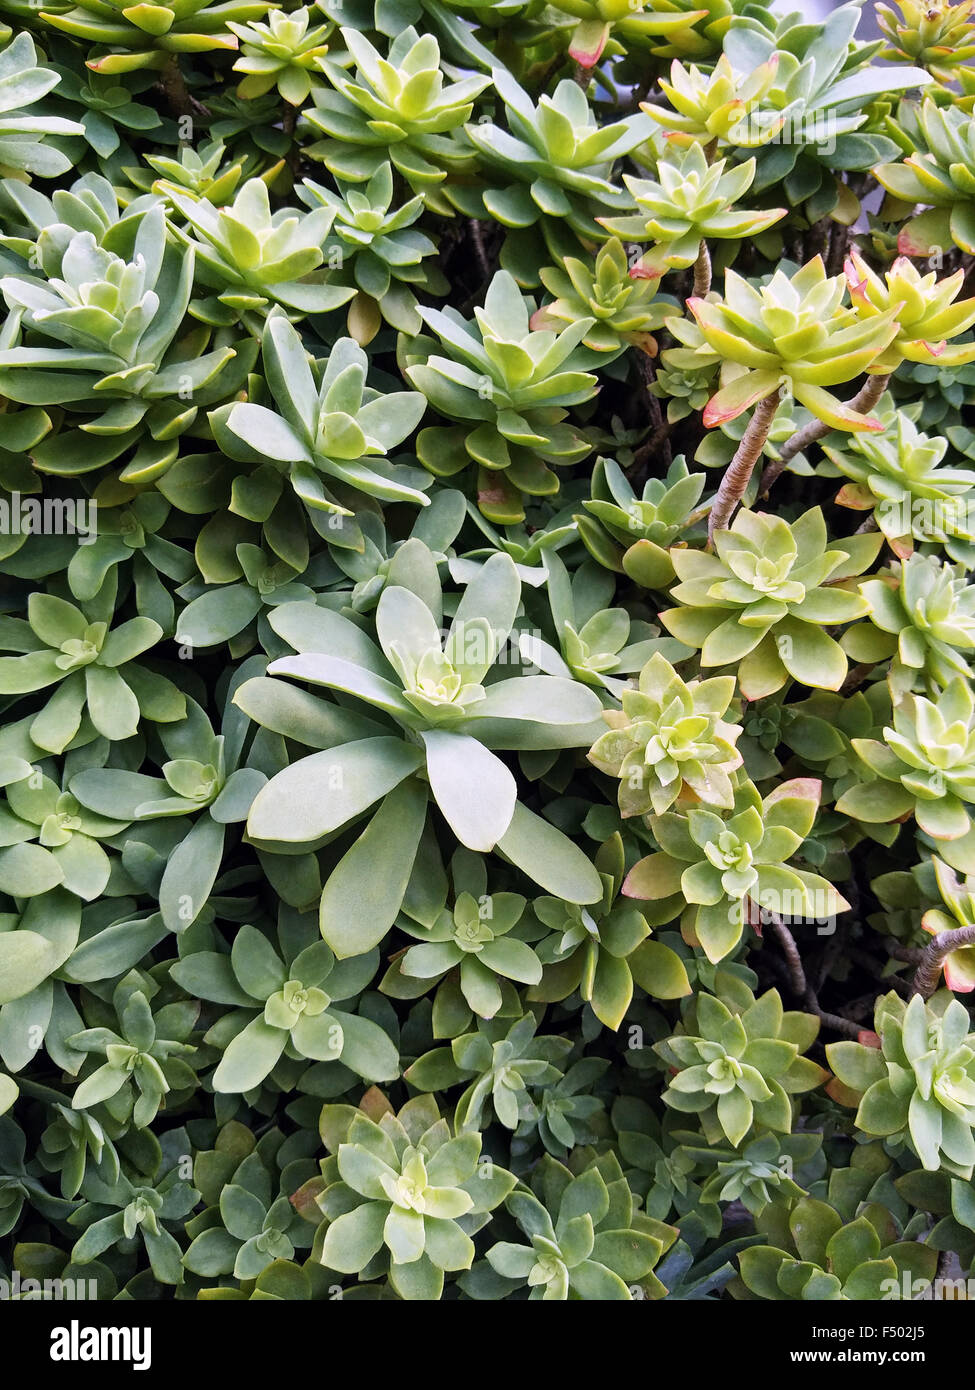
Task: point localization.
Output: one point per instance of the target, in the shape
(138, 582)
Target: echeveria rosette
(924, 305)
(381, 250)
(403, 1195)
(560, 151)
(92, 665)
(517, 383)
(718, 872)
(793, 332)
(899, 474)
(762, 1169)
(145, 1208)
(929, 609)
(476, 938)
(66, 834)
(598, 645)
(689, 202)
(623, 304)
(420, 703)
(670, 739)
(717, 104)
(938, 174)
(250, 1227)
(585, 1239)
(252, 257)
(396, 108)
(925, 766)
(503, 1062)
(280, 53)
(918, 1086)
(603, 949)
(738, 1072)
(144, 1060)
(764, 599)
(285, 1008)
(634, 531)
(335, 432)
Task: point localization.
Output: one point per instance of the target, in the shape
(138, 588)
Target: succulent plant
(918, 1086)
(926, 314)
(642, 527)
(739, 1072)
(670, 739)
(938, 174)
(764, 598)
(621, 303)
(794, 331)
(402, 1188)
(718, 105)
(687, 203)
(144, 41)
(957, 896)
(939, 37)
(721, 873)
(931, 611)
(23, 148)
(923, 766)
(516, 383)
(280, 53)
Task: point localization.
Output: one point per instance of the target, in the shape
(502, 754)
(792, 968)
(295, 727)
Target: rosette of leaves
(900, 476)
(559, 150)
(739, 1072)
(75, 1139)
(22, 1185)
(503, 1063)
(958, 896)
(926, 313)
(584, 1238)
(795, 332)
(23, 83)
(331, 427)
(640, 528)
(144, 1055)
(622, 305)
(602, 949)
(718, 872)
(475, 943)
(918, 1085)
(249, 1224)
(67, 835)
(760, 1173)
(939, 37)
(824, 85)
(137, 1212)
(283, 1005)
(939, 174)
(606, 26)
(280, 53)
(381, 250)
(108, 109)
(253, 257)
(569, 1115)
(516, 383)
(395, 108)
(925, 765)
(599, 645)
(92, 665)
(202, 172)
(669, 740)
(717, 104)
(435, 707)
(814, 1254)
(103, 331)
(687, 203)
(202, 772)
(766, 596)
(227, 612)
(929, 608)
(404, 1195)
(152, 40)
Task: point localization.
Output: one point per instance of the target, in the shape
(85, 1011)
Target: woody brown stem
(800, 985)
(938, 948)
(740, 469)
(702, 272)
(864, 401)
